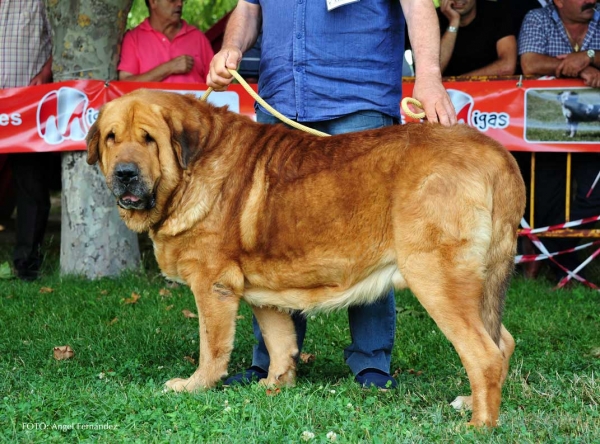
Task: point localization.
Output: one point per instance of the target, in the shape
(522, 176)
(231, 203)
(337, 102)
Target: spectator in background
(478, 39)
(26, 60)
(563, 40)
(518, 10)
(338, 71)
(165, 48)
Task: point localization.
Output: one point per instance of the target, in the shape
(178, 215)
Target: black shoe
(248, 376)
(27, 269)
(374, 377)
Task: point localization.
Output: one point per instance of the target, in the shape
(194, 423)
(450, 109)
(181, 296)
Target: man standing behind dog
(562, 39)
(165, 48)
(335, 66)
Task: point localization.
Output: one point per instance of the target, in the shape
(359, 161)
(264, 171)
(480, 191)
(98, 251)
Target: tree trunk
(86, 40)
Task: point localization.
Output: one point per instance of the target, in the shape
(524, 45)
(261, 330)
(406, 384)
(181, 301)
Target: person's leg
(372, 326)
(33, 208)
(372, 329)
(260, 355)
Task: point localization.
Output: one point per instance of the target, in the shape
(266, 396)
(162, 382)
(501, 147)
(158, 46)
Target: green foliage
(200, 13)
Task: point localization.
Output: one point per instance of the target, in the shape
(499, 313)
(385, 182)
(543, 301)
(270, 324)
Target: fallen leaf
(189, 314)
(46, 290)
(307, 357)
(103, 292)
(596, 352)
(164, 292)
(113, 321)
(5, 271)
(63, 352)
(168, 307)
(133, 299)
(273, 391)
(239, 317)
(190, 360)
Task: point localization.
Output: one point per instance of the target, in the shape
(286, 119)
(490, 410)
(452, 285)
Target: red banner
(532, 115)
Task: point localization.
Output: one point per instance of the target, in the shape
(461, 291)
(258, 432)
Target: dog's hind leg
(495, 284)
(279, 334)
(452, 295)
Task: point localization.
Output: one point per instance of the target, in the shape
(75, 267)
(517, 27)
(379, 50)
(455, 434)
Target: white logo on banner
(61, 116)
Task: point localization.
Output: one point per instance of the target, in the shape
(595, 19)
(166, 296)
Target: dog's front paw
(181, 385)
(287, 379)
(462, 403)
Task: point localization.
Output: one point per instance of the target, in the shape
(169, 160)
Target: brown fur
(290, 221)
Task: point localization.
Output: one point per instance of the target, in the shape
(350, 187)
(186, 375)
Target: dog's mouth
(129, 201)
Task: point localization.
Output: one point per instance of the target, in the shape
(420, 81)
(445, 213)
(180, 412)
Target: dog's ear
(93, 143)
(184, 137)
(185, 144)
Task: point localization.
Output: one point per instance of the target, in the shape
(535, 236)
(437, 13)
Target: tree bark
(86, 39)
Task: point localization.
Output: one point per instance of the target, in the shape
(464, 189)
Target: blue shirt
(542, 32)
(319, 65)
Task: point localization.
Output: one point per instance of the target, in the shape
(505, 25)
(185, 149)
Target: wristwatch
(455, 29)
(591, 54)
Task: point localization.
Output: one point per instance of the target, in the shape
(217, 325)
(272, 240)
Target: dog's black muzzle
(129, 189)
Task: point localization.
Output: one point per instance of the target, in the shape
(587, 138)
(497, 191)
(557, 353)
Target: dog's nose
(126, 172)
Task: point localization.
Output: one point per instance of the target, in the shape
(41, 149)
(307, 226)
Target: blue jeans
(373, 326)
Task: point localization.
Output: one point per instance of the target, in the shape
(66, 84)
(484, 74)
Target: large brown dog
(290, 221)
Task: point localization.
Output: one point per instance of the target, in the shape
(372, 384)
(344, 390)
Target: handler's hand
(435, 100)
(219, 77)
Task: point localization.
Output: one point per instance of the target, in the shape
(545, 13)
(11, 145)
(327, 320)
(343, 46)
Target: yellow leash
(265, 105)
(408, 112)
(297, 125)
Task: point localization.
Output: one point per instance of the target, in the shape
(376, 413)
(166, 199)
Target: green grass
(125, 352)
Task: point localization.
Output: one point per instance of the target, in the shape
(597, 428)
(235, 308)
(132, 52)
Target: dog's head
(143, 141)
(567, 96)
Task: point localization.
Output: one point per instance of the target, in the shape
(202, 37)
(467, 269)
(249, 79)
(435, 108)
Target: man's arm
(571, 65)
(591, 77)
(533, 63)
(448, 41)
(240, 35)
(424, 33)
(447, 48)
(45, 74)
(178, 65)
(505, 64)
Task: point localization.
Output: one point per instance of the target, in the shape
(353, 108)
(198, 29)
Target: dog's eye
(149, 139)
(110, 137)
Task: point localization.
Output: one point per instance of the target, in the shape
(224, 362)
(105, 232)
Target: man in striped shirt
(26, 60)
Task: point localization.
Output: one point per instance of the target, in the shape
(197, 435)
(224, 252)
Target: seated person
(165, 48)
(562, 39)
(477, 39)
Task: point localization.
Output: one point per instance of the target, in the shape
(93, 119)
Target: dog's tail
(508, 208)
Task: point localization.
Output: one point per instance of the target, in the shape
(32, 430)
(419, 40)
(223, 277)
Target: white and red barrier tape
(530, 233)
